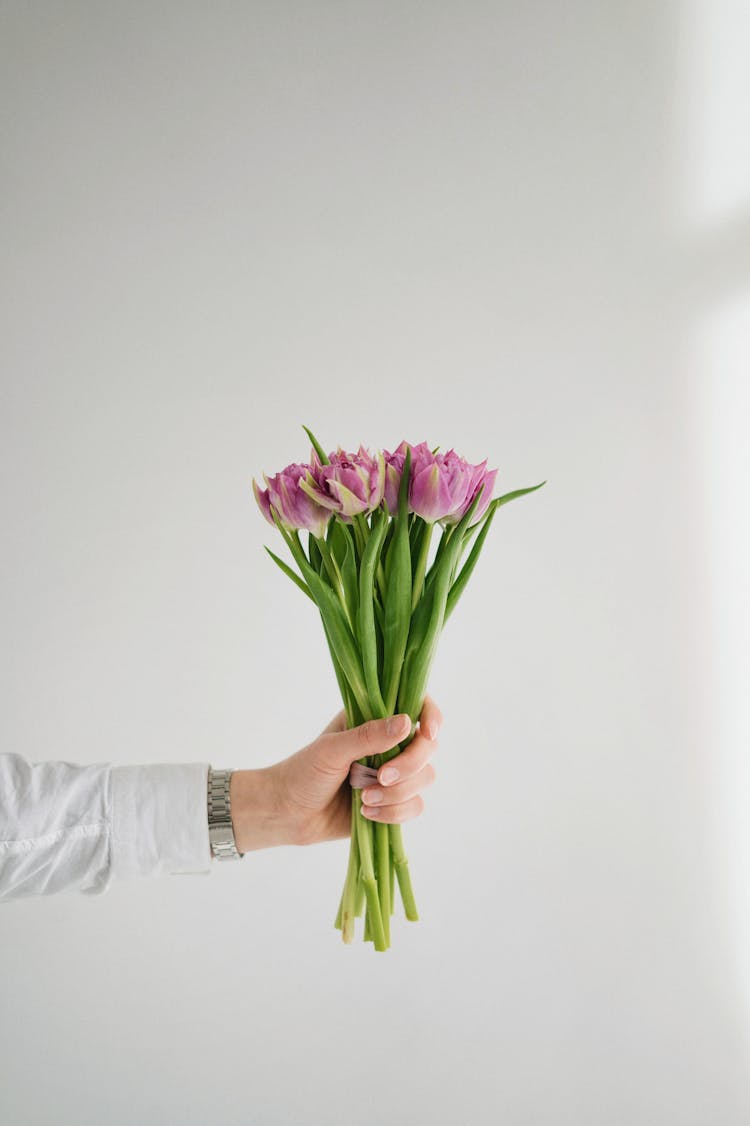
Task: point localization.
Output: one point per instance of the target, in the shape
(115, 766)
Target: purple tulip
(481, 476)
(441, 486)
(293, 506)
(439, 483)
(476, 475)
(352, 484)
(394, 467)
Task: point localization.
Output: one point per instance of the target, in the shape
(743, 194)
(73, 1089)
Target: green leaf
(415, 535)
(290, 573)
(434, 570)
(366, 616)
(421, 649)
(346, 692)
(339, 541)
(341, 635)
(380, 620)
(459, 585)
(318, 448)
(398, 595)
(351, 583)
(508, 497)
(316, 559)
(342, 638)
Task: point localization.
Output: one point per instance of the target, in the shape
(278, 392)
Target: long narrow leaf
(290, 573)
(459, 584)
(366, 615)
(341, 634)
(318, 448)
(398, 595)
(351, 584)
(419, 656)
(316, 559)
(508, 497)
(346, 692)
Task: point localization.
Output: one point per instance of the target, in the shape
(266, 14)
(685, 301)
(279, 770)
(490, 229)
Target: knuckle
(366, 733)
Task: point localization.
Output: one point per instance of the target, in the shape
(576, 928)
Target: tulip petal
(309, 486)
(261, 496)
(349, 503)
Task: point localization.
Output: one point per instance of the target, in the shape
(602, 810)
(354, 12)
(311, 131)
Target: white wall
(520, 230)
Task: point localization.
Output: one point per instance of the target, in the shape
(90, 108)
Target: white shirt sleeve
(69, 827)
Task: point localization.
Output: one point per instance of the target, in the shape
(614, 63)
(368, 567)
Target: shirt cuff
(160, 820)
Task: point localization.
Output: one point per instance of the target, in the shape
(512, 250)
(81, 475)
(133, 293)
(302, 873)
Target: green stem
(349, 896)
(359, 901)
(364, 834)
(421, 566)
(383, 853)
(380, 573)
(337, 582)
(361, 532)
(392, 880)
(401, 864)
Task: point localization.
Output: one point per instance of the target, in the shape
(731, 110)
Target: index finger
(408, 762)
(431, 718)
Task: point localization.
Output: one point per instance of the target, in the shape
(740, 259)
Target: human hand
(306, 798)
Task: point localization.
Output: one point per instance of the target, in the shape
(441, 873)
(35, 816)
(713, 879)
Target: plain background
(517, 230)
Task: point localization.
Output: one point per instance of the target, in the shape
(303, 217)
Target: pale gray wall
(516, 229)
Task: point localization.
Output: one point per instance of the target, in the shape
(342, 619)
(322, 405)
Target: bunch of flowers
(370, 521)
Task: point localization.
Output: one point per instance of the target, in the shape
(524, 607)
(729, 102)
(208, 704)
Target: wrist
(258, 817)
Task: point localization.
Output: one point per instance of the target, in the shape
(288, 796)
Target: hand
(306, 798)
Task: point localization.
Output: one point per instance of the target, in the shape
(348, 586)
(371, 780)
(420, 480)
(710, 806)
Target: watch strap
(220, 828)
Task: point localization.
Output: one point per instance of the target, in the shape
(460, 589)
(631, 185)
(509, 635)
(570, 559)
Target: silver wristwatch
(220, 830)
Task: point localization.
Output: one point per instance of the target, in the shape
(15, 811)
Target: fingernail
(431, 729)
(372, 797)
(390, 774)
(367, 811)
(396, 725)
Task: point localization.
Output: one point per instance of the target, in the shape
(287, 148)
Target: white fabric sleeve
(70, 827)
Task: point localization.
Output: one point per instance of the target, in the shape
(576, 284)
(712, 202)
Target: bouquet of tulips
(370, 521)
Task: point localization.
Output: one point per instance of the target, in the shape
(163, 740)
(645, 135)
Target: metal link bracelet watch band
(220, 830)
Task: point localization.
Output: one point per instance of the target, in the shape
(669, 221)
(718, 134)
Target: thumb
(339, 749)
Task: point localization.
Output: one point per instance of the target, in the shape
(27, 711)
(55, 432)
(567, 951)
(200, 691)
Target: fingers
(401, 780)
(394, 814)
(408, 762)
(383, 797)
(341, 748)
(431, 718)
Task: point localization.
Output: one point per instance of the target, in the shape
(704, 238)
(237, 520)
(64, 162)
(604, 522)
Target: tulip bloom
(394, 465)
(370, 520)
(348, 484)
(479, 476)
(439, 484)
(293, 506)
